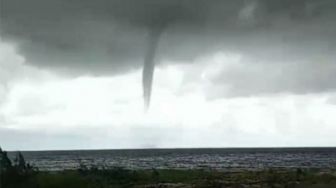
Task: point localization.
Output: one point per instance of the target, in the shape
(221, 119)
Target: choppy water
(225, 159)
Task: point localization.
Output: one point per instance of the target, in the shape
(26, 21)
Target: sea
(229, 159)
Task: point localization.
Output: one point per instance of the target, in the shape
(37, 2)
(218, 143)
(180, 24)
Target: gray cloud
(109, 36)
(263, 78)
(331, 100)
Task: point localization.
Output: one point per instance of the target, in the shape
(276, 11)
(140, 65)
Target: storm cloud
(106, 37)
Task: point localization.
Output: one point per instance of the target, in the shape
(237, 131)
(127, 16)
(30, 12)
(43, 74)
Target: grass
(94, 178)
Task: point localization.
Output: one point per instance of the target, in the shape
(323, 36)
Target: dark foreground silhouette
(19, 174)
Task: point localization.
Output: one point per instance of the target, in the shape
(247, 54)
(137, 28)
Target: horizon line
(178, 148)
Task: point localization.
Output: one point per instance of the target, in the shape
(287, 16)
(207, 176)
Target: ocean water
(222, 159)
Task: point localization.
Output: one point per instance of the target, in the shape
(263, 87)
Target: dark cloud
(109, 36)
(104, 35)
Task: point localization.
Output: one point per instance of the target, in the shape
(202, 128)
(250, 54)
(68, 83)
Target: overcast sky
(239, 73)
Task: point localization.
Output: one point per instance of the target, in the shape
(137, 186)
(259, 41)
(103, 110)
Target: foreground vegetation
(18, 174)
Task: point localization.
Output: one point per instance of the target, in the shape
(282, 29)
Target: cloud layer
(292, 38)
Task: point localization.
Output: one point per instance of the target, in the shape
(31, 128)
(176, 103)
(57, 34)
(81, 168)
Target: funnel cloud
(149, 64)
